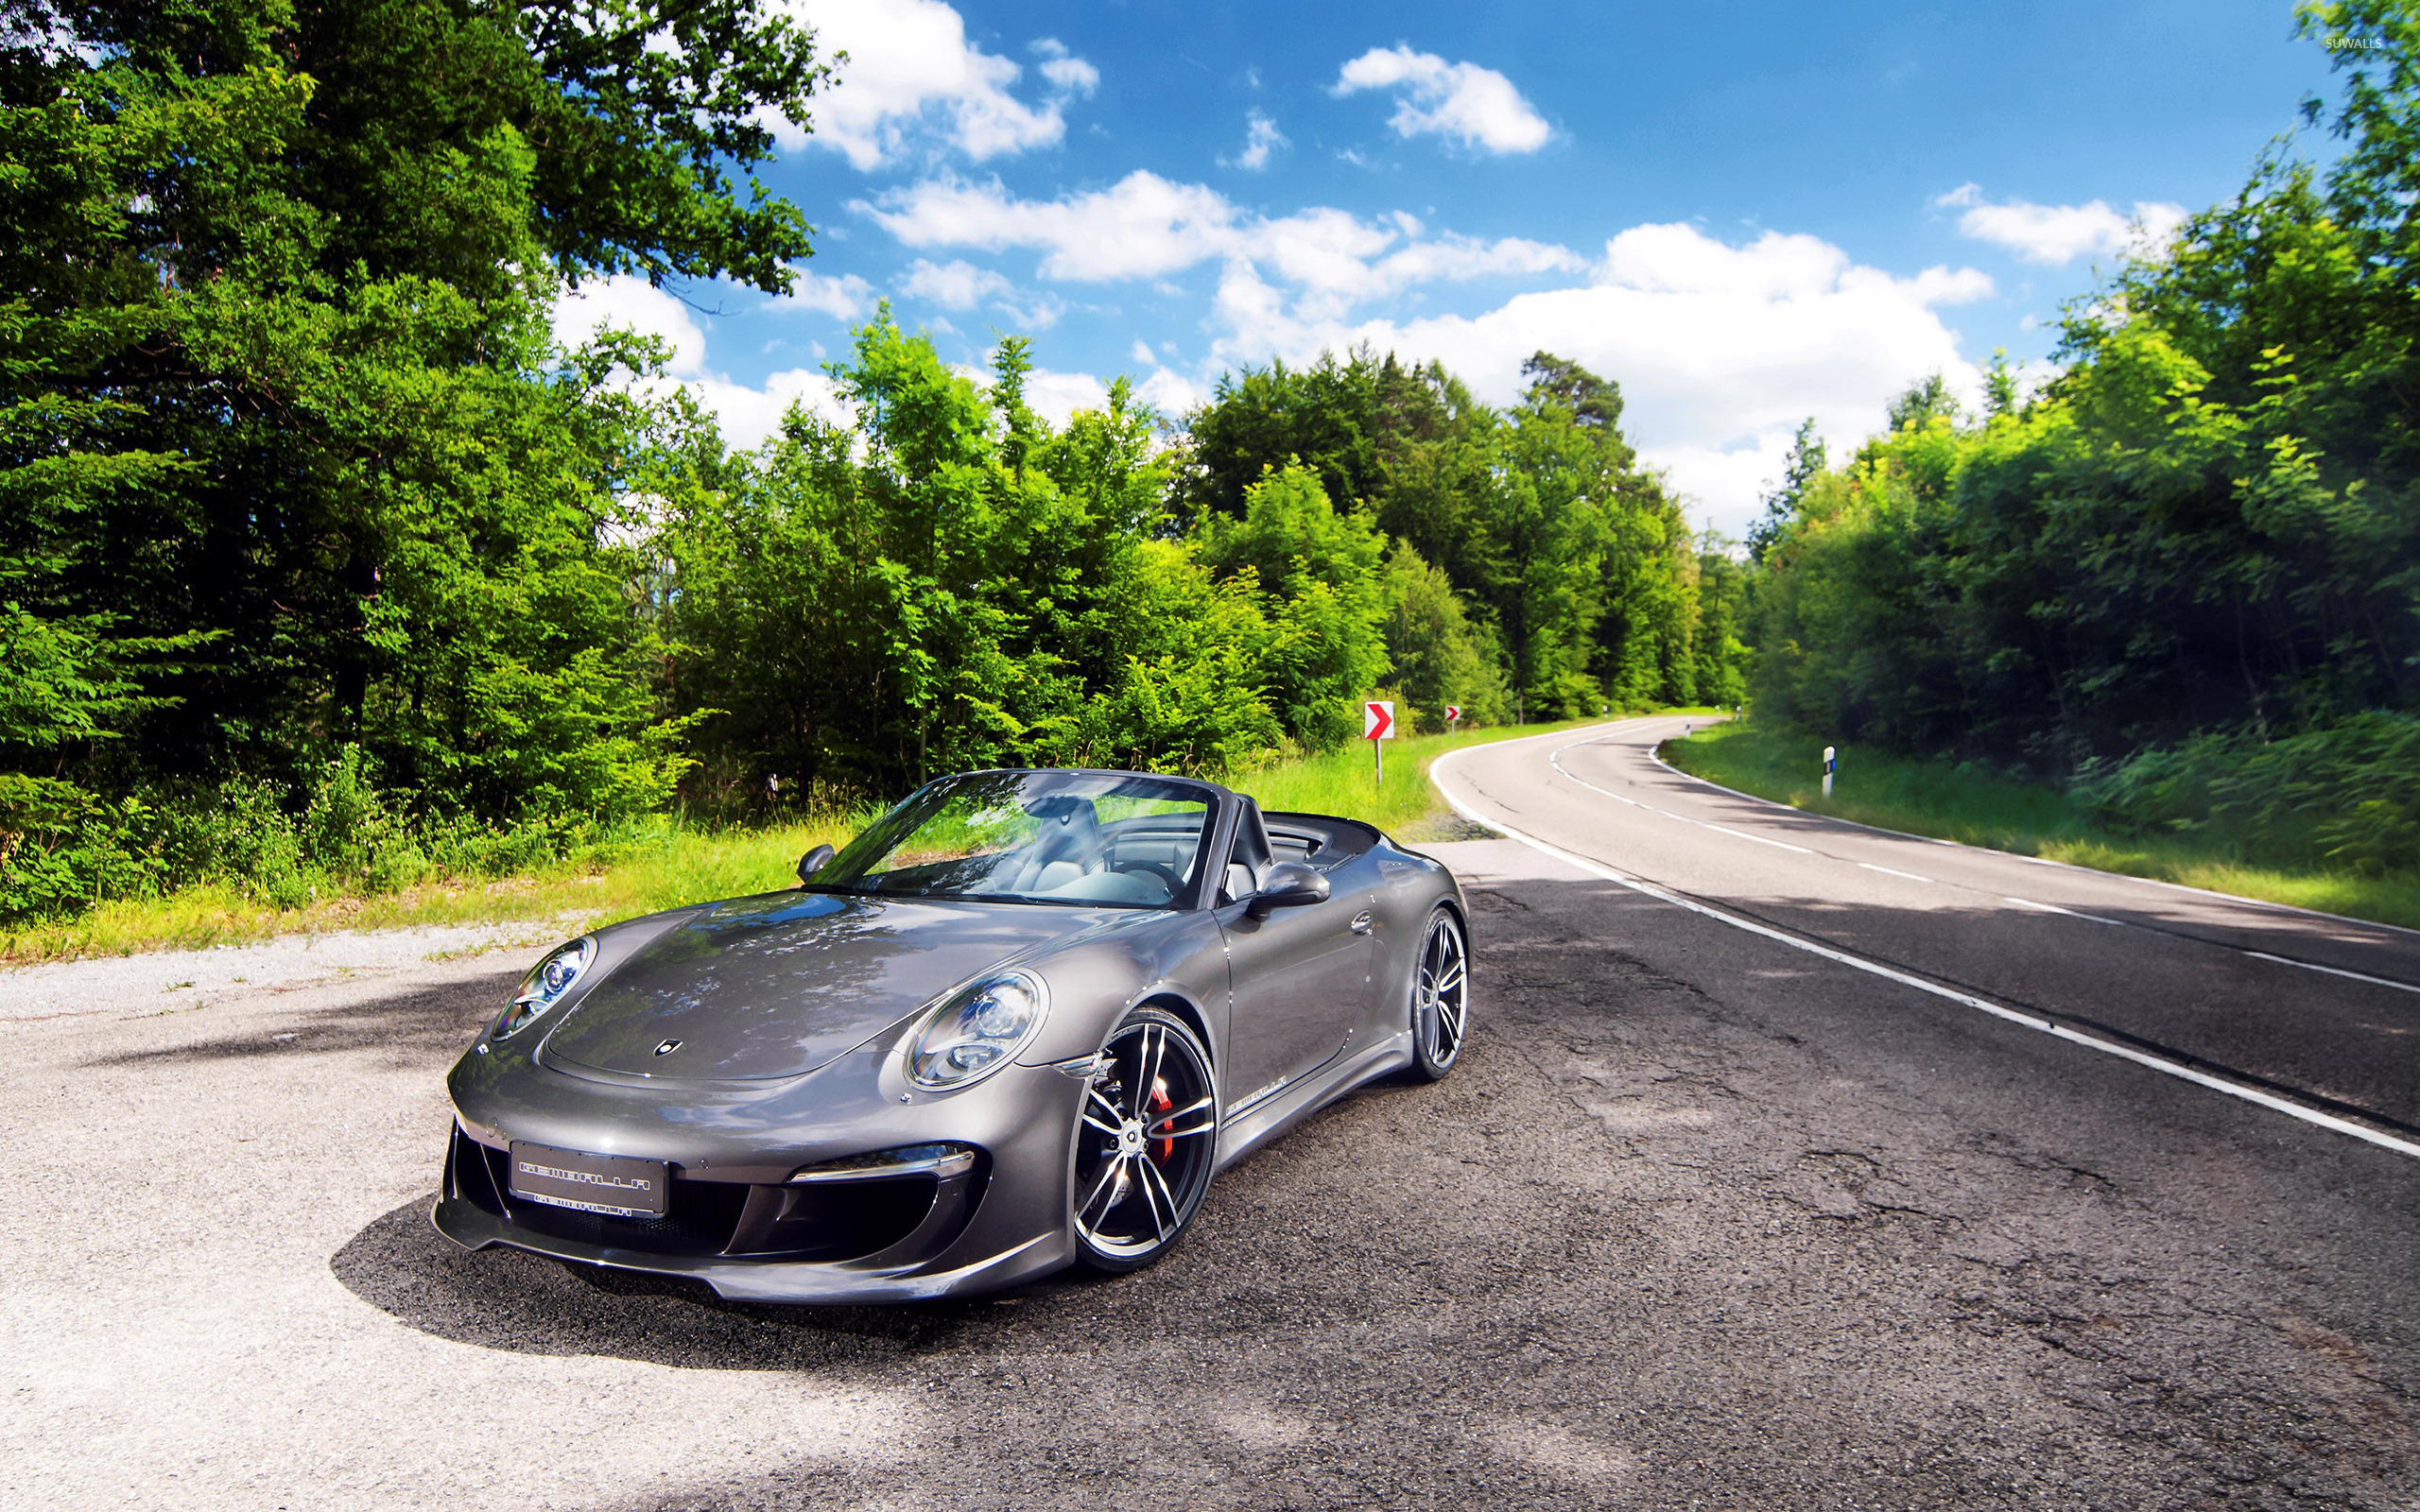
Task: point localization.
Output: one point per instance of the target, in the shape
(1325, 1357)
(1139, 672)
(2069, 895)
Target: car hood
(777, 986)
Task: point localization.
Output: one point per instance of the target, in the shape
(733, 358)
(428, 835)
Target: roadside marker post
(1378, 727)
(1831, 763)
(1453, 716)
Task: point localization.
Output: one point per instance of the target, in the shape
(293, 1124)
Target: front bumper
(740, 1219)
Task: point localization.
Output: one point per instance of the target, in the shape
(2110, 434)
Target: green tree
(1805, 462)
(1340, 420)
(1326, 599)
(1438, 654)
(2208, 524)
(1923, 402)
(946, 583)
(1721, 653)
(295, 463)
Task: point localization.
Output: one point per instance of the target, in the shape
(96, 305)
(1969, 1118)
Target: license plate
(615, 1184)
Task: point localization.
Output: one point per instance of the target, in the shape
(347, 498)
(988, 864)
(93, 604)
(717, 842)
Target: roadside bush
(62, 850)
(2346, 793)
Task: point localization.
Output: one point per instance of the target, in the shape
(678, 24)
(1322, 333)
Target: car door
(1300, 978)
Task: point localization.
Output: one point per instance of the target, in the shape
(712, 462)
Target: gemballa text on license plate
(614, 1184)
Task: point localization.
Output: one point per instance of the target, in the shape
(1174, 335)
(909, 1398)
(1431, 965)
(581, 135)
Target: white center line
(1778, 845)
(2029, 1021)
(1893, 871)
(2090, 919)
(1556, 758)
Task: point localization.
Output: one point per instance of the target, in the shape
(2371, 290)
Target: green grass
(1958, 802)
(683, 865)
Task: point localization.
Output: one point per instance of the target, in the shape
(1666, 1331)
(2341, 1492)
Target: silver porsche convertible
(1019, 1024)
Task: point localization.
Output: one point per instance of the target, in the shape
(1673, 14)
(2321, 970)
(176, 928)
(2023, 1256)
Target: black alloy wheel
(1145, 1143)
(1441, 987)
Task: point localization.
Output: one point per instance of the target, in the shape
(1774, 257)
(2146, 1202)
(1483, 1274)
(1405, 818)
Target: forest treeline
(320, 563)
(947, 581)
(2183, 577)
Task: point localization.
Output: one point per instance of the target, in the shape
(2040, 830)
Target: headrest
(1251, 837)
(1070, 826)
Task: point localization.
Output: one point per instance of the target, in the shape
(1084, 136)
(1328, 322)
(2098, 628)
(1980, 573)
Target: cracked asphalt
(1701, 1220)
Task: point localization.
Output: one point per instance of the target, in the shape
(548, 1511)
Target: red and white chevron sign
(1453, 713)
(1378, 719)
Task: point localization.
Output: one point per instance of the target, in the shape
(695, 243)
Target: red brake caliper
(1160, 1104)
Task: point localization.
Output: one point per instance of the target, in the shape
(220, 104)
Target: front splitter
(767, 1281)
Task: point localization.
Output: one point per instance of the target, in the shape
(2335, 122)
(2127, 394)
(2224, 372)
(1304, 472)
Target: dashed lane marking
(2030, 1021)
(1893, 871)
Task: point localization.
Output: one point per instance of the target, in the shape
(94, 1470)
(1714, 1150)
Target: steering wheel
(1161, 870)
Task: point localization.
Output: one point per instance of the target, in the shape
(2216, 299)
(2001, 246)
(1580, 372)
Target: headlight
(546, 986)
(978, 1030)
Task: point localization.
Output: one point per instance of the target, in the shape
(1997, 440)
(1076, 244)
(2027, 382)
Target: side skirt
(1256, 1125)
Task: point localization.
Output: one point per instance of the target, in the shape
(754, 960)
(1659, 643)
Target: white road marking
(2334, 971)
(2206, 893)
(1891, 871)
(2091, 918)
(2036, 861)
(2029, 1021)
(1780, 844)
(1738, 835)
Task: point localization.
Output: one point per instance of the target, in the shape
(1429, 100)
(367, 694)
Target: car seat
(1248, 859)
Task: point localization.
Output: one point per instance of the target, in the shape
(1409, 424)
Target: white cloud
(1722, 348)
(911, 74)
(844, 298)
(958, 285)
(1141, 225)
(748, 413)
(1142, 353)
(1054, 396)
(748, 416)
(1172, 394)
(1145, 226)
(1040, 313)
(626, 303)
(1070, 74)
(1477, 105)
(953, 286)
(1719, 349)
(2058, 235)
(1261, 138)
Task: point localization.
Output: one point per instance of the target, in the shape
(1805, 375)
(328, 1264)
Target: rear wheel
(1441, 996)
(1145, 1143)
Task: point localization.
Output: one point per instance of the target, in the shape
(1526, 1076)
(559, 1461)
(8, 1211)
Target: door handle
(1362, 922)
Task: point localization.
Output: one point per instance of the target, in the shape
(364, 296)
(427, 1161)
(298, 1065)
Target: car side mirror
(1289, 884)
(813, 862)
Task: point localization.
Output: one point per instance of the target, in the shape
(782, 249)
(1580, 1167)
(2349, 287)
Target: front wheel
(1441, 1001)
(1145, 1143)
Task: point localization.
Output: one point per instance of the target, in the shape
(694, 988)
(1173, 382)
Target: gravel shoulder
(1699, 1220)
(182, 981)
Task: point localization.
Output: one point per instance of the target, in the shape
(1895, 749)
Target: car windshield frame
(857, 869)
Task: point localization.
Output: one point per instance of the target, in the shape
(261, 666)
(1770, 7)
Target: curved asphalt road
(1702, 1219)
(2321, 1010)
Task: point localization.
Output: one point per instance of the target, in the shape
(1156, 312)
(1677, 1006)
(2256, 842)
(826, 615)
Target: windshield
(1088, 838)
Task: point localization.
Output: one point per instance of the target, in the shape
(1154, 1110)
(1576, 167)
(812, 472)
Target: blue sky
(1744, 219)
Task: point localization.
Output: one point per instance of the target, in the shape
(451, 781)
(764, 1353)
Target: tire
(1441, 1003)
(1141, 1173)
